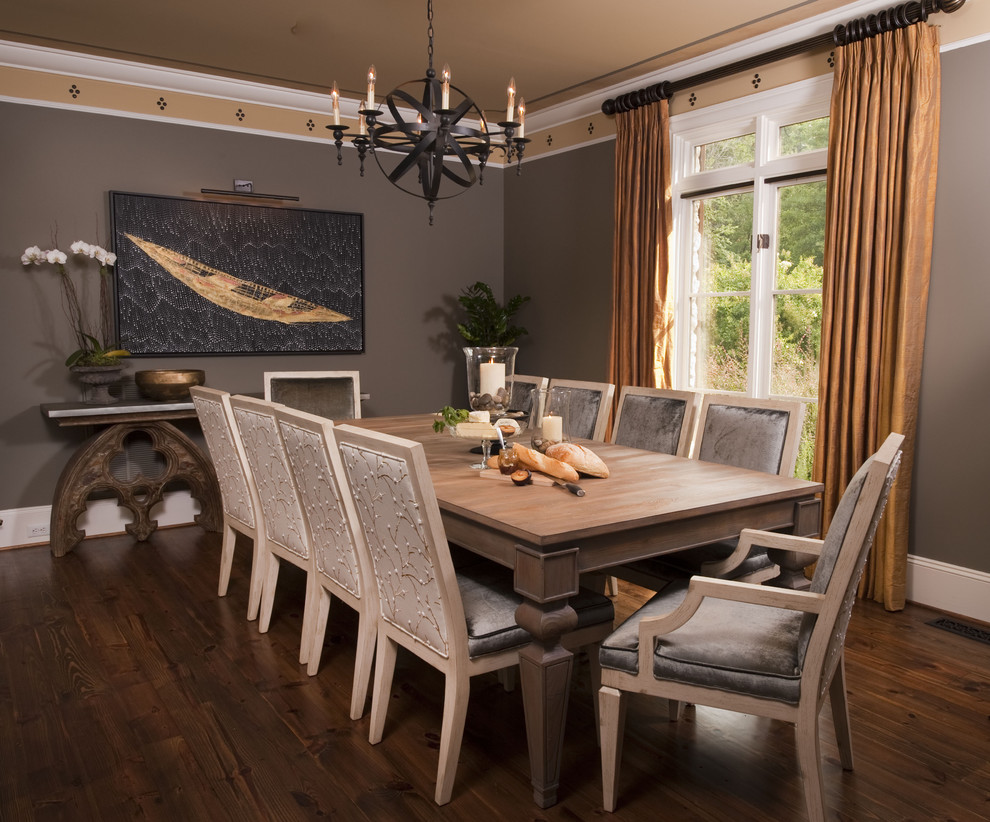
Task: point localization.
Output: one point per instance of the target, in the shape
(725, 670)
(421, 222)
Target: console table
(89, 468)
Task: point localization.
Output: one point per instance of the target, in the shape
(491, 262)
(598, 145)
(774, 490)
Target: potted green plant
(488, 323)
(490, 356)
(96, 361)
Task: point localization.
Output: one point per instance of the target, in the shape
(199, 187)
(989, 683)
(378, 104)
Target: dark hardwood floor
(129, 690)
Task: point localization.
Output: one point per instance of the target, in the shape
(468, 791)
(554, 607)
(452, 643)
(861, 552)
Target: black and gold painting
(204, 277)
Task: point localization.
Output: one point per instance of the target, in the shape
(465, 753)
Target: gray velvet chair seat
(732, 646)
(490, 608)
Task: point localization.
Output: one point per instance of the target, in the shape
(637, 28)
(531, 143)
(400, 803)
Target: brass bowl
(168, 385)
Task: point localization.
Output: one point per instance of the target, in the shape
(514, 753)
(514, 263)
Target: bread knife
(573, 487)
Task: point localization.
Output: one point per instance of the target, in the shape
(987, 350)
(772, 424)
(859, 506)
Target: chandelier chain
(429, 29)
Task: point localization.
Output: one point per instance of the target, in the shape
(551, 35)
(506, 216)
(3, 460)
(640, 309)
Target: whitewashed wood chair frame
(341, 562)
(690, 400)
(420, 604)
(241, 507)
(281, 513)
(607, 392)
(819, 632)
(348, 381)
(420, 599)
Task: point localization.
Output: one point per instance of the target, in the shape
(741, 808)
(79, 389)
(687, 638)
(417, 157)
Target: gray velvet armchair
(770, 652)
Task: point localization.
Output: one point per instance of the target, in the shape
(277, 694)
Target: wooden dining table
(651, 504)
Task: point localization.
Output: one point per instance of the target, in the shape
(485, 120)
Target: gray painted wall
(57, 169)
(951, 485)
(559, 215)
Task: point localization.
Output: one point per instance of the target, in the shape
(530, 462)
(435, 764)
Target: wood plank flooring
(129, 690)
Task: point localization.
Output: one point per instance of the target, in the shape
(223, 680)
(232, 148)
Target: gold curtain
(883, 149)
(641, 317)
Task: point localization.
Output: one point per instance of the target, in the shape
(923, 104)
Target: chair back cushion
(837, 541)
(583, 410)
(521, 398)
(217, 422)
(325, 499)
(334, 395)
(400, 520)
(650, 423)
(743, 437)
(269, 466)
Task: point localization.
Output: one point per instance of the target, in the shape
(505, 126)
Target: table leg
(89, 470)
(545, 666)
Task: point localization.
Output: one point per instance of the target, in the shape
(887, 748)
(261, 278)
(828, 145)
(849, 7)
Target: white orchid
(91, 351)
(33, 255)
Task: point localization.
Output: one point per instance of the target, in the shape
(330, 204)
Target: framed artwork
(200, 277)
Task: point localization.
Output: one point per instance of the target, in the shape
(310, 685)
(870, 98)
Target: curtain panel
(883, 150)
(641, 350)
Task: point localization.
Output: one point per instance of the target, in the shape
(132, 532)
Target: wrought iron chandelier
(430, 134)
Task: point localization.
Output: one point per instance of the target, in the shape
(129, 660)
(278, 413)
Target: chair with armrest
(335, 395)
(460, 621)
(761, 435)
(521, 399)
(341, 563)
(589, 408)
(281, 513)
(241, 508)
(655, 419)
(770, 652)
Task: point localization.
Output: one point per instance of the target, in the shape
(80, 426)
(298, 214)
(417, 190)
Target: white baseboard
(102, 517)
(949, 588)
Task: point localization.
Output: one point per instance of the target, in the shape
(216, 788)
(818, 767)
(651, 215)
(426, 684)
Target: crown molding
(590, 104)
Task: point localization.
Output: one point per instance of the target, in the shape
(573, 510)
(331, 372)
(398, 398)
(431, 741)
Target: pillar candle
(553, 428)
(492, 377)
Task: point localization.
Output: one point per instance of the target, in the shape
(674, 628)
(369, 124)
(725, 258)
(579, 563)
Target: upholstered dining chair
(761, 435)
(335, 395)
(522, 384)
(281, 513)
(769, 652)
(341, 563)
(460, 621)
(590, 406)
(655, 419)
(238, 495)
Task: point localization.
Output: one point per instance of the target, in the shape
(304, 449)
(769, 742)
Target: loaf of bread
(582, 459)
(535, 461)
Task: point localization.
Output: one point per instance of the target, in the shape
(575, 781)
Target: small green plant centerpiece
(97, 353)
(490, 356)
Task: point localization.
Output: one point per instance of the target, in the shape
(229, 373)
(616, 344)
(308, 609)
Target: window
(749, 215)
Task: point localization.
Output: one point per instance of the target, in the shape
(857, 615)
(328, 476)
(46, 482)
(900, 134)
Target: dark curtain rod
(898, 17)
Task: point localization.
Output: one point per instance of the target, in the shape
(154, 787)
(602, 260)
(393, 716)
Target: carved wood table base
(89, 470)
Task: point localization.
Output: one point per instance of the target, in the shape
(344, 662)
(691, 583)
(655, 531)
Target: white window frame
(761, 114)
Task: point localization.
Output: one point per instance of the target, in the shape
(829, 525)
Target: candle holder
(549, 417)
(490, 371)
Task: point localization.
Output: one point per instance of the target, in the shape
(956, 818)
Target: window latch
(762, 241)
